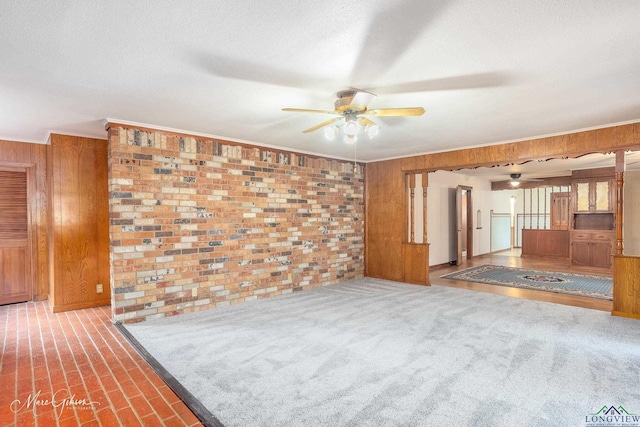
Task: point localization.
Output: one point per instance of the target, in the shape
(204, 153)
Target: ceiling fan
(515, 179)
(351, 109)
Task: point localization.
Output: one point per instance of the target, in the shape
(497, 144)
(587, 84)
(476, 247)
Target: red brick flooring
(75, 368)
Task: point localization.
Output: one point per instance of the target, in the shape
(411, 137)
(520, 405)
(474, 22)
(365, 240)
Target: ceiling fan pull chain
(355, 158)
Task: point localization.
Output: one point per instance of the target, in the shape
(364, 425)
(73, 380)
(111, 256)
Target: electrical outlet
(99, 288)
(194, 292)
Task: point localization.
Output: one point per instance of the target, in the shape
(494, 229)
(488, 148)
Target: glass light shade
(372, 130)
(351, 128)
(330, 132)
(350, 139)
(514, 183)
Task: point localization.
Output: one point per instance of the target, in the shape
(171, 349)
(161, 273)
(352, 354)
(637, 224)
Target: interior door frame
(469, 214)
(31, 220)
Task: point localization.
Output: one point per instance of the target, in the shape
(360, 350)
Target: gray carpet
(378, 353)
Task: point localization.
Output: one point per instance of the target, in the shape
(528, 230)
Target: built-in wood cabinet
(592, 249)
(593, 218)
(538, 242)
(593, 195)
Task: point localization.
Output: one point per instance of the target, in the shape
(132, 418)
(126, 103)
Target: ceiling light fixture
(371, 130)
(330, 132)
(352, 107)
(350, 130)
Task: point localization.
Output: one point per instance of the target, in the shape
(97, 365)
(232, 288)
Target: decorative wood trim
(620, 167)
(424, 207)
(571, 145)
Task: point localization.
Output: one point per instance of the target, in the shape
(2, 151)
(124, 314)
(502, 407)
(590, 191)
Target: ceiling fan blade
(415, 111)
(323, 124)
(361, 100)
(363, 121)
(304, 110)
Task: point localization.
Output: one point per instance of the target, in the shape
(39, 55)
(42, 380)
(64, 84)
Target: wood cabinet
(593, 218)
(592, 249)
(554, 243)
(593, 195)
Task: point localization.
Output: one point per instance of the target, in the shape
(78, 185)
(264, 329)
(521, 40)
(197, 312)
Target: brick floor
(75, 368)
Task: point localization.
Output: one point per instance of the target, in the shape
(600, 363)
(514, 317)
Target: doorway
(464, 223)
(15, 252)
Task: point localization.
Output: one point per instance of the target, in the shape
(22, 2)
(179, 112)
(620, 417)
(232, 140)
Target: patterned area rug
(550, 281)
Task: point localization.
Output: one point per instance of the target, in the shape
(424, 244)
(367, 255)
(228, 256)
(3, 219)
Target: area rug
(551, 281)
(376, 353)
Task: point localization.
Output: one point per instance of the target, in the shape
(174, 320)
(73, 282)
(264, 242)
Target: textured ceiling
(485, 71)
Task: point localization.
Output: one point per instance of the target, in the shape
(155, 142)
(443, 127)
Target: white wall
(631, 214)
(501, 204)
(441, 215)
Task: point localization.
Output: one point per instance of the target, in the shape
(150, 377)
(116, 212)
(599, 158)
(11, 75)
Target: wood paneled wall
(384, 183)
(79, 222)
(626, 286)
(33, 158)
(385, 219)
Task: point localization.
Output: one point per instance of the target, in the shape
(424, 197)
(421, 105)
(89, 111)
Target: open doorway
(464, 224)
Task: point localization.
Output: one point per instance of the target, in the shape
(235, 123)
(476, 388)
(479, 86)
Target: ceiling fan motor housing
(343, 103)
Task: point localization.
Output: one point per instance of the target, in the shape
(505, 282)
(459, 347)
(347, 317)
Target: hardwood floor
(512, 258)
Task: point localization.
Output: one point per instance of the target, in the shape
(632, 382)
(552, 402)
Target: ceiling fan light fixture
(514, 183)
(350, 139)
(372, 130)
(351, 128)
(330, 132)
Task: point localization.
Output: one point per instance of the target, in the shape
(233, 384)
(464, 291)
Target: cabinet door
(601, 254)
(559, 211)
(583, 196)
(581, 253)
(602, 195)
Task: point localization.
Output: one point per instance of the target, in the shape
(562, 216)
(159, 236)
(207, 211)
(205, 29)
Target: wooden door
(459, 225)
(581, 253)
(464, 223)
(560, 211)
(601, 254)
(15, 283)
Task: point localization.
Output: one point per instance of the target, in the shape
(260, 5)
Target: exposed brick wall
(196, 223)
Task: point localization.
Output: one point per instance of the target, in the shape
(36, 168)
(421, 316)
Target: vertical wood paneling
(626, 286)
(33, 158)
(101, 168)
(38, 213)
(385, 220)
(416, 263)
(79, 239)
